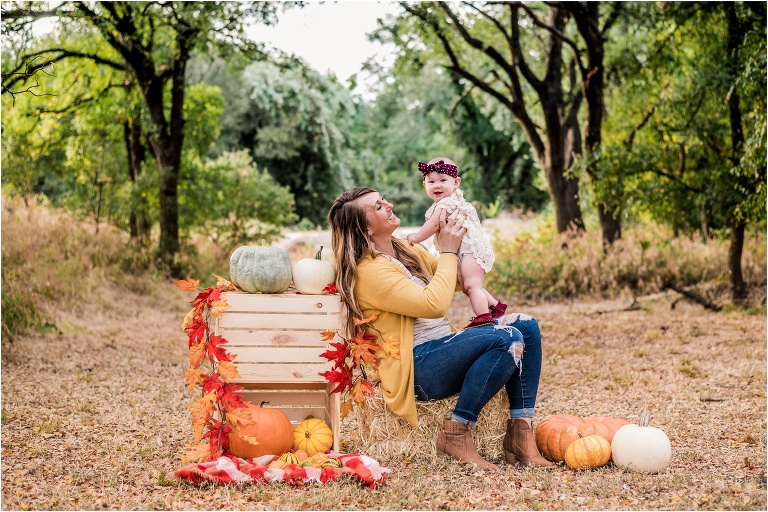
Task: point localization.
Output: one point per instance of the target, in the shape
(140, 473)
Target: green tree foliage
(676, 151)
(296, 123)
(233, 202)
(152, 43)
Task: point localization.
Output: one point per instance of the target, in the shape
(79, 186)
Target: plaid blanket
(231, 469)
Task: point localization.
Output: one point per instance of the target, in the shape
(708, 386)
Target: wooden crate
(277, 340)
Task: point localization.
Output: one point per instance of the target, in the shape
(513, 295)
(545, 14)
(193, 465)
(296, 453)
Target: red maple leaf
(331, 288)
(338, 355)
(216, 350)
(197, 328)
(212, 382)
(218, 438)
(230, 398)
(201, 297)
(213, 296)
(343, 377)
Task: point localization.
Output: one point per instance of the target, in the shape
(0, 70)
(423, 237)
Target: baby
(441, 180)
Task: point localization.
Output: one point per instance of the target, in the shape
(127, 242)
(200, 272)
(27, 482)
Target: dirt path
(96, 417)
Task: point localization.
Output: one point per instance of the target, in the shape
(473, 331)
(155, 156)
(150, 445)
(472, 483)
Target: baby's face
(440, 185)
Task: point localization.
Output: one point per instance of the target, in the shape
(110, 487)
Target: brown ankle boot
(455, 441)
(520, 445)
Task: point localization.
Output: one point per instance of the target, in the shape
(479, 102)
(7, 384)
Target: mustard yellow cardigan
(383, 288)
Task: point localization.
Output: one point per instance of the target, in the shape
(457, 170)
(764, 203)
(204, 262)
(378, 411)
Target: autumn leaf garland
(352, 360)
(220, 406)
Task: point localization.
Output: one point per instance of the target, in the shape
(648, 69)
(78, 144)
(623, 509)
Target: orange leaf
(194, 377)
(239, 417)
(218, 307)
(188, 319)
(361, 388)
(227, 370)
(197, 453)
(225, 285)
(196, 353)
(328, 335)
(345, 409)
(201, 411)
(391, 347)
(188, 284)
(365, 320)
(363, 348)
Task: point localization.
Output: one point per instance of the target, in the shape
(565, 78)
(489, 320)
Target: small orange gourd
(271, 428)
(588, 452)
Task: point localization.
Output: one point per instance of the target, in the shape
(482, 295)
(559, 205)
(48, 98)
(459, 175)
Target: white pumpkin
(312, 275)
(641, 447)
(328, 256)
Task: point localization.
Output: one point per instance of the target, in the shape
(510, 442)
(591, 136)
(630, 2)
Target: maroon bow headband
(441, 167)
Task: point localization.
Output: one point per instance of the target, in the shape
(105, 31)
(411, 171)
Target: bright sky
(331, 36)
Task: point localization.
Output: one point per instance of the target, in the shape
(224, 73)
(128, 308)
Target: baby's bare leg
(472, 277)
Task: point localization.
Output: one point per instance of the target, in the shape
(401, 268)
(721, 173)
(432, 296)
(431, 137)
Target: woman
(409, 291)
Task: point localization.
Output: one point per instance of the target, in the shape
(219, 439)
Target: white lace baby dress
(475, 241)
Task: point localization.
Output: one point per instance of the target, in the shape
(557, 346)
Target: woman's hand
(451, 231)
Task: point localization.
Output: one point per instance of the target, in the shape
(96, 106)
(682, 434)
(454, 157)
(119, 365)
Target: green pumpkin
(262, 269)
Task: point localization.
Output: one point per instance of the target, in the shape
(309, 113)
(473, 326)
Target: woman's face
(378, 213)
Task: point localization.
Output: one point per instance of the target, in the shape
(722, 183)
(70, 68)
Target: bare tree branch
(475, 43)
(616, 12)
(647, 117)
(30, 71)
(553, 30)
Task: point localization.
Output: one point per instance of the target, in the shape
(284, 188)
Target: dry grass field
(94, 411)
(95, 417)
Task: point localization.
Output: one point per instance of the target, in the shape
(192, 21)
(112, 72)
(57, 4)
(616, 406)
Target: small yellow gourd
(332, 463)
(312, 435)
(289, 458)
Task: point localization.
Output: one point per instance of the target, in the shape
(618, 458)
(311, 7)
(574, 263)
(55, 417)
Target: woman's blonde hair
(350, 242)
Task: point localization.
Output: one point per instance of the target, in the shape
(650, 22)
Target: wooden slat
(288, 386)
(283, 397)
(292, 319)
(297, 415)
(276, 355)
(277, 303)
(272, 338)
(300, 372)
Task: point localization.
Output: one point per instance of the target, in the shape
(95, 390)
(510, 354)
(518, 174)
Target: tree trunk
(139, 221)
(593, 85)
(735, 36)
(561, 139)
(735, 249)
(564, 190)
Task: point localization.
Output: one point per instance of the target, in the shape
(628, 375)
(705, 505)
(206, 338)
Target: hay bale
(377, 432)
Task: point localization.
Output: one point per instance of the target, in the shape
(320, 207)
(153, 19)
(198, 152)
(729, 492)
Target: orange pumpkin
(271, 428)
(555, 433)
(588, 452)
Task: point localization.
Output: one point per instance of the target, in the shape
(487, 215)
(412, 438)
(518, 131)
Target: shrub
(544, 264)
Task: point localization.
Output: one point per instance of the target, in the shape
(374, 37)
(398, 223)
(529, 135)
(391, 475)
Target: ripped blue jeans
(478, 362)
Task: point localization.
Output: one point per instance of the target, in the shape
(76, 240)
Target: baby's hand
(409, 239)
